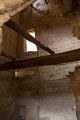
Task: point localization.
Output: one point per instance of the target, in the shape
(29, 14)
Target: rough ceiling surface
(9, 8)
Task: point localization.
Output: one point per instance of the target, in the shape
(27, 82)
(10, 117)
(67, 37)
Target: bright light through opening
(31, 46)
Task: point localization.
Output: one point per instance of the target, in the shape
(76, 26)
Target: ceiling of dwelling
(9, 8)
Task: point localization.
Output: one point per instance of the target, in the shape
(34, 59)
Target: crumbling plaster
(56, 33)
(59, 38)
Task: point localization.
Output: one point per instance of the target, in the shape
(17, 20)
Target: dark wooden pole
(17, 28)
(60, 58)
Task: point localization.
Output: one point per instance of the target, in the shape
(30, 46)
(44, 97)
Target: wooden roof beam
(55, 59)
(23, 32)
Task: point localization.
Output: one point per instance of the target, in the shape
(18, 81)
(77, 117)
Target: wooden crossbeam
(17, 28)
(55, 59)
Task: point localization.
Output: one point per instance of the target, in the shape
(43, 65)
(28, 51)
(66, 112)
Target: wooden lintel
(60, 58)
(23, 32)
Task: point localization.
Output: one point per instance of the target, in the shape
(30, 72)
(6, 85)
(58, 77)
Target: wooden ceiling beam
(56, 59)
(23, 32)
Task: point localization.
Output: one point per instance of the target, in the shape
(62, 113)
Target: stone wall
(8, 82)
(35, 84)
(8, 93)
(55, 33)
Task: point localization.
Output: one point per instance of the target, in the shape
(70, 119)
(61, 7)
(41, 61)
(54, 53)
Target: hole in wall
(29, 46)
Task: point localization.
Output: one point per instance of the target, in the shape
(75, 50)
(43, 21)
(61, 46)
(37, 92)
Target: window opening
(29, 46)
